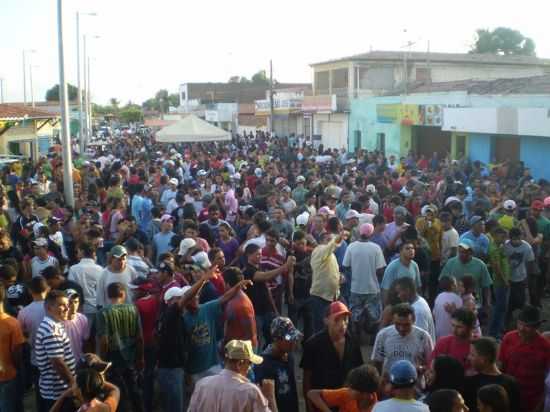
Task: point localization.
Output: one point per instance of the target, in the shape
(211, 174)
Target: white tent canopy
(191, 129)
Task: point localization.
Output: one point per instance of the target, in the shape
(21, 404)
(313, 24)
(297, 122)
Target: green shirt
(498, 258)
(543, 227)
(120, 324)
(474, 268)
(299, 195)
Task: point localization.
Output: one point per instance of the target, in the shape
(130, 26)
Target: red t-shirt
(528, 363)
(452, 346)
(148, 308)
(271, 260)
(219, 284)
(240, 320)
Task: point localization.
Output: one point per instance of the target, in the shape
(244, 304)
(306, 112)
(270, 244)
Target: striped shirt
(52, 342)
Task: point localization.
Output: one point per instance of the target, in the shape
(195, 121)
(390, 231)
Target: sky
(144, 46)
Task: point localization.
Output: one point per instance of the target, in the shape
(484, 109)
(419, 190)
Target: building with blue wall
(490, 121)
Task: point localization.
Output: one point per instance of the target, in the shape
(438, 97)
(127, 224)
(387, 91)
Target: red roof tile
(16, 112)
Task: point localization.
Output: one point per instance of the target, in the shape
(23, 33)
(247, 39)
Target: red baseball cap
(336, 309)
(537, 205)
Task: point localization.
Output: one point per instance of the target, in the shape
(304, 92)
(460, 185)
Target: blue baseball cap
(403, 373)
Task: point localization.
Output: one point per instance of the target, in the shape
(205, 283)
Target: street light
(80, 114)
(25, 74)
(86, 100)
(30, 81)
(64, 103)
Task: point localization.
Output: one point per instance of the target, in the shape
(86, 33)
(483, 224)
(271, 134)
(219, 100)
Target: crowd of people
(266, 274)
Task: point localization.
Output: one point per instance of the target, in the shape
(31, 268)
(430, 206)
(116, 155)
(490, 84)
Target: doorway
(506, 148)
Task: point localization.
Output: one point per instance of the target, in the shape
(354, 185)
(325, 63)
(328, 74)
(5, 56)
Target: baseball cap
(451, 199)
(300, 179)
(400, 210)
(325, 211)
(366, 229)
(141, 283)
(509, 204)
(53, 220)
(282, 328)
(530, 315)
(466, 244)
(173, 181)
(337, 308)
(427, 208)
(40, 242)
(185, 245)
(175, 292)
(371, 188)
(258, 172)
(201, 259)
(475, 219)
(242, 350)
(537, 205)
(403, 373)
(166, 217)
(202, 172)
(36, 228)
(279, 180)
(302, 219)
(352, 214)
(118, 251)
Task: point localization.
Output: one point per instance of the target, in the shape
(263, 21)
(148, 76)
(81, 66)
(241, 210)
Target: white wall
(478, 120)
(451, 72)
(333, 129)
(534, 122)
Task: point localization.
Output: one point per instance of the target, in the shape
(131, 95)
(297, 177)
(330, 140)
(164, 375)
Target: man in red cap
(330, 354)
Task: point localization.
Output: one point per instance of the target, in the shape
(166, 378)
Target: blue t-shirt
(481, 242)
(396, 270)
(161, 241)
(201, 329)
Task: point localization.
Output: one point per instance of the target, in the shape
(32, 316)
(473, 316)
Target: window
(357, 139)
(182, 96)
(321, 83)
(340, 79)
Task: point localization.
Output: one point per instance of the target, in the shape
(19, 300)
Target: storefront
(287, 115)
(323, 124)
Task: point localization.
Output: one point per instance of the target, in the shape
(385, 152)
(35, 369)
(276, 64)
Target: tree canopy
(259, 78)
(52, 95)
(162, 101)
(503, 41)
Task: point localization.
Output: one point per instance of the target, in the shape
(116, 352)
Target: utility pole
(80, 122)
(24, 80)
(31, 85)
(64, 103)
(88, 137)
(271, 103)
(84, 95)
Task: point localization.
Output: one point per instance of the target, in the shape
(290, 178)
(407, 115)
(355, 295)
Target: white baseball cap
(509, 204)
(302, 219)
(174, 181)
(352, 214)
(185, 245)
(175, 292)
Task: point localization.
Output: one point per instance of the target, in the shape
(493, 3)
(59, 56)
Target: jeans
(150, 355)
(318, 307)
(130, 395)
(369, 302)
(8, 395)
(171, 389)
(44, 405)
(500, 308)
(301, 310)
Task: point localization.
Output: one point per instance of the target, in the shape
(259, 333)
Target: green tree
(174, 99)
(52, 95)
(503, 41)
(131, 113)
(260, 78)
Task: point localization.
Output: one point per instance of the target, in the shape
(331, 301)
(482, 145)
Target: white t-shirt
(442, 318)
(390, 346)
(449, 240)
(107, 277)
(364, 258)
(38, 265)
(400, 405)
(424, 318)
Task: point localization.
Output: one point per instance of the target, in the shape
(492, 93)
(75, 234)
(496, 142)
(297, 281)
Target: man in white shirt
(402, 341)
(86, 273)
(406, 291)
(42, 259)
(119, 271)
(367, 263)
(449, 238)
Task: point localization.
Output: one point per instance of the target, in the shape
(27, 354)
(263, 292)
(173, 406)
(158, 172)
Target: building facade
(489, 121)
(379, 73)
